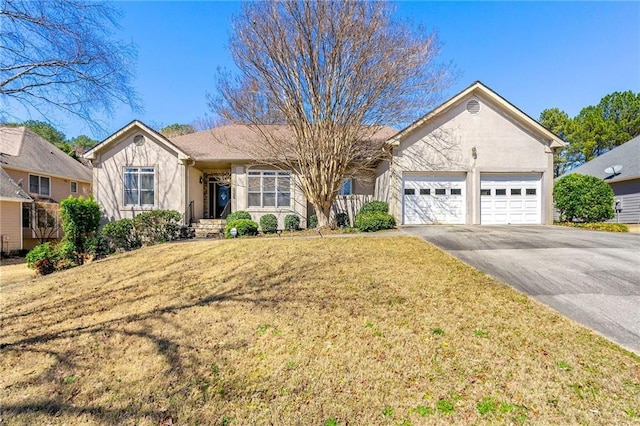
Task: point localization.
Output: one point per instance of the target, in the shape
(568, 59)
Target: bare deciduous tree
(60, 55)
(333, 72)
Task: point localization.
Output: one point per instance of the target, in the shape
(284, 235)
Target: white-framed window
(269, 188)
(139, 186)
(40, 185)
(346, 188)
(73, 187)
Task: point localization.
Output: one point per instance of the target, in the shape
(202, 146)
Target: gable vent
(473, 107)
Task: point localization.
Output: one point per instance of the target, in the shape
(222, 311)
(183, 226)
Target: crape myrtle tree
(59, 56)
(332, 73)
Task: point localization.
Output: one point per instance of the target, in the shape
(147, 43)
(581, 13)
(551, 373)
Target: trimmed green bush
(100, 247)
(240, 214)
(157, 226)
(313, 221)
(269, 223)
(245, 227)
(374, 206)
(80, 221)
(121, 235)
(342, 220)
(292, 222)
(374, 221)
(583, 198)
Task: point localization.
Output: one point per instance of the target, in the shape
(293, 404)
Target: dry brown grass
(299, 331)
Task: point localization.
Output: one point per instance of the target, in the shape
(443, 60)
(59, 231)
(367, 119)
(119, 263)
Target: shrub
(269, 223)
(583, 198)
(80, 221)
(292, 222)
(157, 226)
(342, 220)
(374, 206)
(41, 252)
(100, 247)
(245, 227)
(374, 221)
(121, 235)
(44, 267)
(240, 214)
(313, 222)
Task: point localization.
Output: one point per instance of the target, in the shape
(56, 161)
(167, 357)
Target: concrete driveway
(589, 276)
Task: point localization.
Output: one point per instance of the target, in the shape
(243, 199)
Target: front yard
(377, 330)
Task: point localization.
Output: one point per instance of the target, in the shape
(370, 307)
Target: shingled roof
(626, 155)
(239, 142)
(22, 149)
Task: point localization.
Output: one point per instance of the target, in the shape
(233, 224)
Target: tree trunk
(323, 213)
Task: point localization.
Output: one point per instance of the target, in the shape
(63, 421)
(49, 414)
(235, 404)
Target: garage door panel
(510, 198)
(435, 199)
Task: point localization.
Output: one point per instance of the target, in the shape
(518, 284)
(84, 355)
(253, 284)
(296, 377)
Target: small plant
(157, 226)
(313, 222)
(437, 331)
(387, 411)
(563, 366)
(487, 405)
(40, 252)
(445, 406)
(240, 214)
(368, 325)
(292, 365)
(70, 379)
(331, 421)
(269, 223)
(481, 333)
(342, 220)
(244, 227)
(423, 411)
(263, 328)
(292, 222)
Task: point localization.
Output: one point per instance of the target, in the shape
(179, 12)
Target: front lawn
(378, 330)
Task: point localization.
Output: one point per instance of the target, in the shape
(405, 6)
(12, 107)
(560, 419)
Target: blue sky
(535, 54)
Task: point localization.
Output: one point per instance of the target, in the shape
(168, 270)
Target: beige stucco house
(202, 176)
(476, 159)
(34, 170)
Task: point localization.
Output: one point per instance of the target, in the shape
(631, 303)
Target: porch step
(209, 228)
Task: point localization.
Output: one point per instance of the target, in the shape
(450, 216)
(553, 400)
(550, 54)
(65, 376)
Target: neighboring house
(34, 170)
(475, 159)
(620, 168)
(201, 175)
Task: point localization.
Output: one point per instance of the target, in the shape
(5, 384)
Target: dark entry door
(218, 199)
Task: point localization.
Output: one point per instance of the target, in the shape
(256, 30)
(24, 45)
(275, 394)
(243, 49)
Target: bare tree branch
(334, 73)
(60, 55)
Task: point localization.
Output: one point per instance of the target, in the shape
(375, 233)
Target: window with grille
(269, 188)
(139, 186)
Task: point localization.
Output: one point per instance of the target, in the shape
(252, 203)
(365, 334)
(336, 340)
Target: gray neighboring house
(625, 183)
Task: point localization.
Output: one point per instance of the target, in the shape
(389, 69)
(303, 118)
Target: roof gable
(626, 155)
(23, 149)
(11, 191)
(482, 91)
(117, 137)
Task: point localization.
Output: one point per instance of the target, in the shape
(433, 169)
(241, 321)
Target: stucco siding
(11, 225)
(628, 195)
(196, 192)
(108, 175)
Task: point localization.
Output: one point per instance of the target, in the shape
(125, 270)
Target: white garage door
(510, 198)
(434, 199)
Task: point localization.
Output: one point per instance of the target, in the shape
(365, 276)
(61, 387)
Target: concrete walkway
(589, 276)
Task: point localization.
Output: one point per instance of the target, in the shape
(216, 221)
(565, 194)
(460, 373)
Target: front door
(218, 199)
